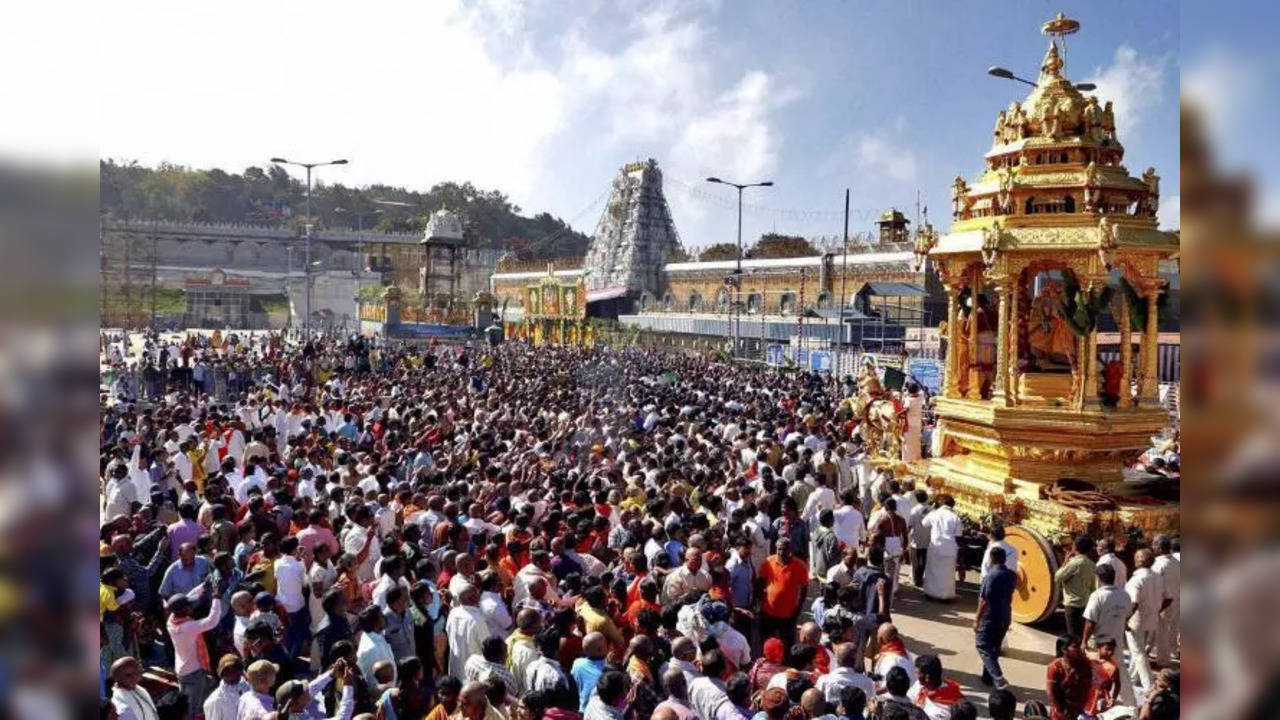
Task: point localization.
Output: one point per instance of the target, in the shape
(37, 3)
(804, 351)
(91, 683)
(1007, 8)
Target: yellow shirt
(106, 600)
(595, 621)
(197, 455)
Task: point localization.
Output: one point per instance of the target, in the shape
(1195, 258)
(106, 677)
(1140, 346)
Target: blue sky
(545, 100)
(1230, 52)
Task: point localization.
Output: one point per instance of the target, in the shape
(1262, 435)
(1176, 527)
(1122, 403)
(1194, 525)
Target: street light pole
(737, 273)
(997, 71)
(359, 254)
(306, 322)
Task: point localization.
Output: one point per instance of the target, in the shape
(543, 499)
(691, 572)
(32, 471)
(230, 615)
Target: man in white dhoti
(1170, 572)
(940, 566)
(466, 630)
(1146, 592)
(914, 411)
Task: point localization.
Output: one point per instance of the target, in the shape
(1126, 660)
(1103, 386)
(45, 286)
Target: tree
(774, 245)
(271, 196)
(679, 255)
(719, 251)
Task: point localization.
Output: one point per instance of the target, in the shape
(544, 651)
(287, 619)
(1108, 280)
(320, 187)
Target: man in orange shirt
(647, 600)
(785, 578)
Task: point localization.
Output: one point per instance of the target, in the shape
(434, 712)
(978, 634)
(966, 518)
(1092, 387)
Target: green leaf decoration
(1137, 306)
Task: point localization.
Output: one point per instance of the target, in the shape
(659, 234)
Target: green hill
(270, 196)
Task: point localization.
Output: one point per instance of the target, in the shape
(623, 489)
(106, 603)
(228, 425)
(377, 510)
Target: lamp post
(737, 273)
(306, 323)
(360, 216)
(997, 71)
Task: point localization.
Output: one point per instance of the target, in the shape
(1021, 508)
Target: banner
(927, 372)
(820, 361)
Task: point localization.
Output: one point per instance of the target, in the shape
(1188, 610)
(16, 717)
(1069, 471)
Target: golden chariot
(555, 312)
(1053, 235)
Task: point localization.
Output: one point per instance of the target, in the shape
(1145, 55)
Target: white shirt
(521, 657)
(839, 574)
(527, 574)
(841, 677)
(736, 648)
(135, 704)
(1170, 571)
(706, 695)
(120, 496)
(822, 498)
(183, 464)
(935, 711)
(496, 614)
(373, 649)
(353, 539)
(224, 701)
(257, 480)
(1010, 558)
(466, 630)
(291, 576)
(944, 527)
(1108, 608)
(850, 525)
(383, 586)
(237, 633)
(1146, 591)
(1122, 573)
(906, 503)
(254, 706)
(884, 662)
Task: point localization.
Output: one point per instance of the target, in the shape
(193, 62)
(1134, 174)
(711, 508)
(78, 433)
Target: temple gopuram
(1054, 238)
(635, 272)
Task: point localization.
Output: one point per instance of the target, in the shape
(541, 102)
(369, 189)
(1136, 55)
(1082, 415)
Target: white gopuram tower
(635, 235)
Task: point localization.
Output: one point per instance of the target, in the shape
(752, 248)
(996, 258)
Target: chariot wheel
(1036, 596)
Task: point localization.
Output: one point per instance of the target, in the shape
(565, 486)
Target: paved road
(946, 630)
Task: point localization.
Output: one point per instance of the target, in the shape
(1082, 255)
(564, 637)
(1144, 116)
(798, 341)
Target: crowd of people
(333, 528)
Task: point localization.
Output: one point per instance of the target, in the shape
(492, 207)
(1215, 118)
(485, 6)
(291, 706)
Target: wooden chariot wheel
(1037, 594)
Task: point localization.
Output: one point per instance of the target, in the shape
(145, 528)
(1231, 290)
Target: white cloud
(1170, 213)
(733, 132)
(416, 93)
(1134, 84)
(880, 155)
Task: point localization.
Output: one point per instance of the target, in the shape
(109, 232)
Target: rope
(1079, 495)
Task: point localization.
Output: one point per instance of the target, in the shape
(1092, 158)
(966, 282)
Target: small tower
(893, 227)
(442, 245)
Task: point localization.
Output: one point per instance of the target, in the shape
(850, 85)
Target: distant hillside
(271, 196)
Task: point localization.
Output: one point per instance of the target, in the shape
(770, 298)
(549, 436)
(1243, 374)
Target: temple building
(631, 273)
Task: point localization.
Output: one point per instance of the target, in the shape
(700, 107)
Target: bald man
(465, 629)
(689, 577)
(131, 700)
(665, 712)
(846, 673)
(811, 634)
(473, 704)
(893, 653)
(676, 706)
(586, 670)
(813, 702)
(683, 654)
(522, 649)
